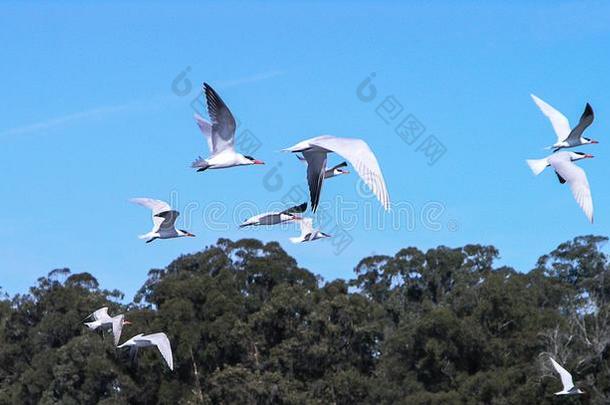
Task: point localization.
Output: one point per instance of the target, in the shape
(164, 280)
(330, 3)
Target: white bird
(272, 218)
(159, 340)
(220, 135)
(567, 137)
(568, 172)
(329, 171)
(356, 151)
(164, 219)
(101, 319)
(566, 380)
(308, 233)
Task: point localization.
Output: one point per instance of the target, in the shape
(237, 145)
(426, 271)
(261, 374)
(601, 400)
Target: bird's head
(251, 161)
(589, 140)
(182, 232)
(340, 171)
(579, 155)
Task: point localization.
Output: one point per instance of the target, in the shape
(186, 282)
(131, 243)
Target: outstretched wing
(577, 180)
(560, 123)
(100, 314)
(131, 341)
(361, 157)
(165, 220)
(223, 123)
(156, 206)
(297, 209)
(206, 129)
(316, 166)
(117, 328)
(566, 378)
(586, 119)
(162, 342)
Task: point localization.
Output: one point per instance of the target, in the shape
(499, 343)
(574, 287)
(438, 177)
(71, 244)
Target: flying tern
(356, 151)
(567, 137)
(220, 136)
(101, 319)
(164, 219)
(159, 340)
(566, 380)
(272, 218)
(568, 172)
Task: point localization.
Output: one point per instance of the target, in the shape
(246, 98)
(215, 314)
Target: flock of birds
(562, 162)
(220, 137)
(101, 321)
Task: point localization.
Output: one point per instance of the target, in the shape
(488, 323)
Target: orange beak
(126, 322)
(589, 156)
(594, 141)
(259, 162)
(190, 234)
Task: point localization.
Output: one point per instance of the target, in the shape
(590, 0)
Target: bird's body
(159, 340)
(220, 136)
(164, 219)
(566, 380)
(273, 218)
(356, 151)
(101, 319)
(568, 172)
(567, 137)
(308, 234)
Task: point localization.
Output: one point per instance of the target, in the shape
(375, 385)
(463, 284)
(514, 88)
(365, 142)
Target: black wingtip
(588, 109)
(561, 179)
(208, 89)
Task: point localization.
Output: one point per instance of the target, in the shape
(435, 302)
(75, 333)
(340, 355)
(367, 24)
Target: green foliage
(249, 326)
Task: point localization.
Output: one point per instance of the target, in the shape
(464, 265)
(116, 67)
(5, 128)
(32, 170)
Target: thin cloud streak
(250, 79)
(98, 112)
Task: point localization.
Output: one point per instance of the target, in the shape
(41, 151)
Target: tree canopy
(247, 325)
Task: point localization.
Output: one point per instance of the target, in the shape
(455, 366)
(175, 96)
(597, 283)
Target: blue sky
(88, 119)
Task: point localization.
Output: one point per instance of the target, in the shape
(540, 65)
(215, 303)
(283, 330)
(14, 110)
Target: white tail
(537, 165)
(295, 240)
(145, 236)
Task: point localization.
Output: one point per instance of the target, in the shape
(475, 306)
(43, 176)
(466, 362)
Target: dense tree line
(248, 325)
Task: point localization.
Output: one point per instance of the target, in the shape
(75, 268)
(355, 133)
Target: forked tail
(200, 164)
(537, 165)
